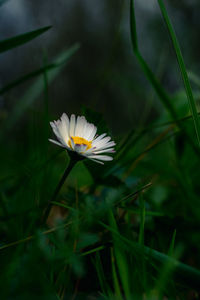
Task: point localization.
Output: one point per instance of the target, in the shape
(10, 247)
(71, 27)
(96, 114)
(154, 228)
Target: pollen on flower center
(80, 141)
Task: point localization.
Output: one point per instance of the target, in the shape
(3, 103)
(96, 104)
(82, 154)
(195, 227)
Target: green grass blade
(171, 247)
(133, 27)
(182, 69)
(21, 39)
(101, 275)
(92, 250)
(115, 277)
(64, 206)
(141, 239)
(120, 257)
(142, 220)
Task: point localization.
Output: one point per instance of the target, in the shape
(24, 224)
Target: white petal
(57, 133)
(57, 143)
(110, 150)
(95, 150)
(98, 161)
(101, 157)
(88, 131)
(80, 126)
(99, 138)
(65, 120)
(63, 129)
(72, 125)
(65, 117)
(101, 142)
(92, 134)
(90, 151)
(105, 146)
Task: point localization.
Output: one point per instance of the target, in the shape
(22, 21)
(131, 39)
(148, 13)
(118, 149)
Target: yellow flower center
(80, 141)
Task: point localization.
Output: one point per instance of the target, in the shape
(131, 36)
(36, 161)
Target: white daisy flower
(76, 134)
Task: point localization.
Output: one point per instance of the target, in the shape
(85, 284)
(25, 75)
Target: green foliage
(126, 230)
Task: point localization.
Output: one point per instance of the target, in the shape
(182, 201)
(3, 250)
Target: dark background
(103, 74)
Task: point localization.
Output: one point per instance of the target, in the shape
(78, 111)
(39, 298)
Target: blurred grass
(38, 86)
(125, 230)
(3, 1)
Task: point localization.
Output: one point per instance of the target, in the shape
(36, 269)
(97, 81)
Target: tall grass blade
(141, 239)
(115, 278)
(142, 220)
(121, 260)
(101, 275)
(182, 69)
(21, 39)
(147, 71)
(163, 96)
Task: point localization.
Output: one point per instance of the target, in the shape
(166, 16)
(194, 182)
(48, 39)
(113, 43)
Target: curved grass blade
(21, 39)
(182, 67)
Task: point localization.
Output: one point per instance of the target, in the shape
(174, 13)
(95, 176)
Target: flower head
(76, 134)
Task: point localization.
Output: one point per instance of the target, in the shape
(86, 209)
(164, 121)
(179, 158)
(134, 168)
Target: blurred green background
(125, 230)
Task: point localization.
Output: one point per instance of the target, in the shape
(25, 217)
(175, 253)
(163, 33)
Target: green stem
(73, 160)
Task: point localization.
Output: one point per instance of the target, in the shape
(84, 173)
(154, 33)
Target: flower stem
(70, 166)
